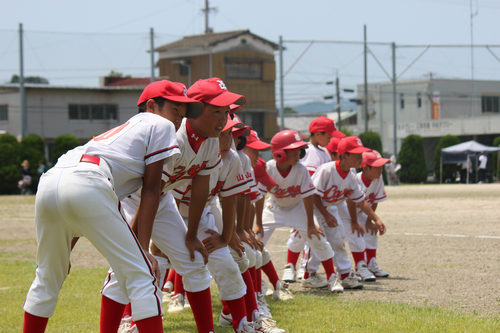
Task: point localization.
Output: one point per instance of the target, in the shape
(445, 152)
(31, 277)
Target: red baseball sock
(250, 301)
(258, 280)
(179, 286)
(358, 256)
(151, 324)
(343, 276)
(171, 276)
(292, 258)
(370, 253)
(128, 310)
(225, 308)
(238, 311)
(253, 274)
(306, 275)
(201, 304)
(34, 324)
(271, 273)
(111, 315)
(328, 266)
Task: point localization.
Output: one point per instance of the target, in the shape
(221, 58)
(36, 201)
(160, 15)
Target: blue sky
(73, 43)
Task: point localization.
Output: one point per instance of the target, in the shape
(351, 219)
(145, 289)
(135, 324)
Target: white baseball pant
(76, 199)
(360, 244)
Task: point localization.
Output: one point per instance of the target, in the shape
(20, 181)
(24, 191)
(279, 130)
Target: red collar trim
(195, 140)
(284, 174)
(341, 172)
(365, 181)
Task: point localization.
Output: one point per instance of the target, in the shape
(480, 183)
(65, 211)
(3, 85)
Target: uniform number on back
(116, 132)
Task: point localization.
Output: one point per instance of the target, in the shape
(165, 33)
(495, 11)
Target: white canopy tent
(461, 154)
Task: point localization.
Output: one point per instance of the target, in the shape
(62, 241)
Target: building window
(244, 70)
(93, 112)
(183, 70)
(402, 101)
(490, 104)
(4, 113)
(253, 119)
(419, 100)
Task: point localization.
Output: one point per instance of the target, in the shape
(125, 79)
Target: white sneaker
(289, 274)
(282, 293)
(124, 324)
(168, 287)
(377, 271)
(265, 289)
(363, 272)
(334, 284)
(176, 304)
(133, 329)
(225, 320)
(351, 282)
(247, 328)
(314, 281)
(186, 303)
(166, 297)
(266, 325)
(302, 269)
(263, 306)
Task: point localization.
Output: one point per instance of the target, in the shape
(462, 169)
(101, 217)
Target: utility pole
(337, 86)
(282, 102)
(21, 83)
(207, 11)
(151, 39)
(394, 115)
(365, 99)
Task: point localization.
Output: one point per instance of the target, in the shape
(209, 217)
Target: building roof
(46, 86)
(210, 39)
(131, 81)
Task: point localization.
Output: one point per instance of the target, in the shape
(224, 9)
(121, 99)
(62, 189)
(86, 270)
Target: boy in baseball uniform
(291, 203)
(364, 248)
(81, 196)
(322, 131)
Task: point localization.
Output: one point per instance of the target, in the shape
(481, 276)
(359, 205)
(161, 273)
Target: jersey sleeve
(307, 187)
(161, 143)
(320, 178)
(215, 162)
(380, 194)
(357, 195)
(235, 182)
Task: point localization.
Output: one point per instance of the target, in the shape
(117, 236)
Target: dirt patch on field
(441, 248)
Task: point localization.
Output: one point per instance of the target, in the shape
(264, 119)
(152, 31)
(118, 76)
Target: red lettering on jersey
(371, 198)
(110, 133)
(215, 190)
(333, 194)
(240, 177)
(249, 175)
(180, 172)
(281, 193)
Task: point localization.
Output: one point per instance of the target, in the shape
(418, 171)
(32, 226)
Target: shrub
(62, 144)
(372, 140)
(10, 164)
(346, 131)
(448, 169)
(33, 150)
(412, 160)
(496, 143)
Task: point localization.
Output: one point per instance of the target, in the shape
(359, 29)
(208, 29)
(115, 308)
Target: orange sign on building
(436, 105)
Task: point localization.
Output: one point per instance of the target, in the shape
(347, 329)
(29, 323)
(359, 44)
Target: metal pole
(206, 16)
(337, 86)
(21, 83)
(189, 74)
(282, 102)
(151, 40)
(211, 64)
(441, 171)
(394, 116)
(365, 99)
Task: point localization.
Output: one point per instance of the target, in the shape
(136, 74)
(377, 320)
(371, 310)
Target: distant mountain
(324, 107)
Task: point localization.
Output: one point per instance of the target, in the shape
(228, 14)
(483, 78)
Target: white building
(432, 108)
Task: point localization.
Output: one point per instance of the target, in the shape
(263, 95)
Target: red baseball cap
(232, 123)
(332, 145)
(351, 144)
(261, 174)
(213, 91)
(327, 125)
(234, 107)
(173, 91)
(254, 142)
(243, 131)
(374, 159)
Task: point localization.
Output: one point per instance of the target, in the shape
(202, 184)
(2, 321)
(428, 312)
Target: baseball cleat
(314, 281)
(363, 272)
(133, 329)
(225, 320)
(334, 284)
(262, 324)
(168, 287)
(186, 303)
(176, 304)
(124, 324)
(265, 289)
(282, 293)
(302, 269)
(246, 327)
(289, 274)
(377, 271)
(351, 282)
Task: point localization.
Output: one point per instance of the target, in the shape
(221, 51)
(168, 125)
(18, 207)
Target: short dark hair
(340, 156)
(158, 100)
(312, 134)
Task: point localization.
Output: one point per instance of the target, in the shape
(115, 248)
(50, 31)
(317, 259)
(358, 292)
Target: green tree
(496, 143)
(289, 109)
(62, 144)
(448, 169)
(10, 164)
(29, 79)
(33, 150)
(412, 160)
(373, 141)
(346, 131)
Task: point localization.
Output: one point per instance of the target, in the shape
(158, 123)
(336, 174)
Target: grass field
(424, 294)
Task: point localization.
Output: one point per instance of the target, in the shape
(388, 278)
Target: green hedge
(372, 140)
(496, 143)
(412, 160)
(10, 164)
(448, 169)
(62, 144)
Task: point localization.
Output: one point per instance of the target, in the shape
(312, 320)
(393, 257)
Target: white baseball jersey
(290, 190)
(227, 181)
(334, 185)
(374, 190)
(246, 164)
(315, 156)
(190, 164)
(145, 138)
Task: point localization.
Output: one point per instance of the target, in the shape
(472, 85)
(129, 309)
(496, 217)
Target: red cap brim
(245, 131)
(259, 145)
(194, 108)
(358, 150)
(227, 99)
(338, 134)
(380, 162)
